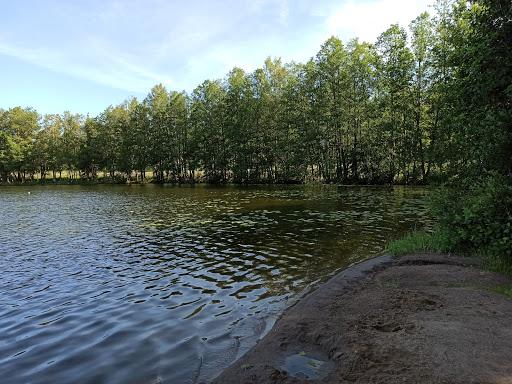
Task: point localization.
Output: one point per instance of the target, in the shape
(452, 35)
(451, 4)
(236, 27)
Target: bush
(477, 217)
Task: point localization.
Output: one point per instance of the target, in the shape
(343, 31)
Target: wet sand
(423, 318)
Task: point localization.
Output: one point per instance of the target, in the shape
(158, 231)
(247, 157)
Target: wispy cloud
(368, 19)
(107, 68)
(284, 11)
(132, 45)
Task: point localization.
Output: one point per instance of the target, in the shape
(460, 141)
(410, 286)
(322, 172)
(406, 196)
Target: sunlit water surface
(149, 284)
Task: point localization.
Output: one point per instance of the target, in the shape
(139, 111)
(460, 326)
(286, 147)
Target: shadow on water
(140, 284)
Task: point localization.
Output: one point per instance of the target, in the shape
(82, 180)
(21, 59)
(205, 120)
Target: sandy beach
(424, 318)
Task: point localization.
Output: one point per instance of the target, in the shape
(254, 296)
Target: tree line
(354, 113)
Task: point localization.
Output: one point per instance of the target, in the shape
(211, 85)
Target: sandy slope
(419, 319)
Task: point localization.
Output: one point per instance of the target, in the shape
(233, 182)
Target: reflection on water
(146, 284)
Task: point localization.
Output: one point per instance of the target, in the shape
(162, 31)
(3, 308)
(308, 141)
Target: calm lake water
(151, 284)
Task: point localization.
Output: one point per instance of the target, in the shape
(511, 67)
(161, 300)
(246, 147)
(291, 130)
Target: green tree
(140, 143)
(18, 126)
(238, 124)
(359, 109)
(71, 141)
(208, 131)
(49, 145)
(395, 76)
(91, 156)
(422, 44)
(158, 104)
(177, 140)
(333, 78)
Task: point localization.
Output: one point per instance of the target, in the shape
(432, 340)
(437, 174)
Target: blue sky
(82, 56)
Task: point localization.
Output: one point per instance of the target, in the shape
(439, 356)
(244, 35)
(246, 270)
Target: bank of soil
(424, 318)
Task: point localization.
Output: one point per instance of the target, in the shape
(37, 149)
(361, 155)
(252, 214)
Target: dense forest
(396, 111)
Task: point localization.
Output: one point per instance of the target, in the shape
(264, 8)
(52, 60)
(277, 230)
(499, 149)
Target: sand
(424, 318)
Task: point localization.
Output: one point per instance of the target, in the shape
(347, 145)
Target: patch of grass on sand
(418, 241)
(497, 264)
(437, 241)
(504, 290)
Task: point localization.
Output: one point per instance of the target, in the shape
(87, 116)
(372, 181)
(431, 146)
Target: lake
(161, 284)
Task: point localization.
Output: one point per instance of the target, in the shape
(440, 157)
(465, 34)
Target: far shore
(422, 318)
(107, 181)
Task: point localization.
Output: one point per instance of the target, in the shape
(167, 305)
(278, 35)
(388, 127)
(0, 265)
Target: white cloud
(133, 45)
(284, 11)
(107, 68)
(367, 20)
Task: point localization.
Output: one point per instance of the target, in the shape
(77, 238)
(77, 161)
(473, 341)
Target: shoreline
(423, 318)
(85, 182)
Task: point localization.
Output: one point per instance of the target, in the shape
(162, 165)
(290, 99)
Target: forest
(400, 110)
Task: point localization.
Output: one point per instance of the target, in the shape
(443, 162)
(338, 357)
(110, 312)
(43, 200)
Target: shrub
(477, 217)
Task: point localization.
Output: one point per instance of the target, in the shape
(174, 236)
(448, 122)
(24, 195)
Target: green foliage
(475, 210)
(473, 219)
(208, 130)
(420, 241)
(472, 137)
(477, 217)
(503, 290)
(18, 127)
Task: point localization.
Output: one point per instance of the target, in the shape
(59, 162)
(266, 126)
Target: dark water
(149, 284)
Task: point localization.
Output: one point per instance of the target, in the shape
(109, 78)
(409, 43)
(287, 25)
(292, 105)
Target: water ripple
(158, 284)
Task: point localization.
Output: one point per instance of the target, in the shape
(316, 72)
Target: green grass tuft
(419, 241)
(496, 264)
(504, 290)
(439, 241)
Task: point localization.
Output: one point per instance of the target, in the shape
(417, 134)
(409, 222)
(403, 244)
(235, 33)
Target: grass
(423, 241)
(504, 290)
(418, 241)
(496, 264)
